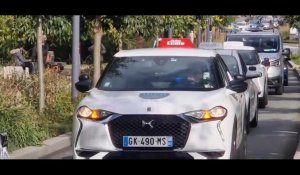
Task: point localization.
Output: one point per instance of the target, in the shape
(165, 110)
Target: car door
(240, 99)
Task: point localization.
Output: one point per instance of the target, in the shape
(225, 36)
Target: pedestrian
(20, 59)
(102, 52)
(192, 36)
(45, 49)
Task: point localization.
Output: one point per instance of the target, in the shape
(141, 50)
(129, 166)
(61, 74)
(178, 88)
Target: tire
(254, 121)
(233, 152)
(279, 90)
(247, 122)
(286, 81)
(263, 102)
(243, 147)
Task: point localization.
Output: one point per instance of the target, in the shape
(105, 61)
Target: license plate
(147, 141)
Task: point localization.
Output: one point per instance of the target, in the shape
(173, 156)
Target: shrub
(19, 112)
(285, 32)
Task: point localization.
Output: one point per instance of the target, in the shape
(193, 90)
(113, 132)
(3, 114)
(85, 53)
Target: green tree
(294, 21)
(20, 28)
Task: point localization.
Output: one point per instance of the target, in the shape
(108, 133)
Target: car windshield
(266, 44)
(250, 57)
(254, 22)
(161, 73)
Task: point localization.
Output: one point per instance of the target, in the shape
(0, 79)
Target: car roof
(254, 33)
(166, 52)
(239, 47)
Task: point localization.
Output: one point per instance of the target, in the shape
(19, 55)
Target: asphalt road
(276, 136)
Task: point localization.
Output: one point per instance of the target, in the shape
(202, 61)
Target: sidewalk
(297, 69)
(48, 147)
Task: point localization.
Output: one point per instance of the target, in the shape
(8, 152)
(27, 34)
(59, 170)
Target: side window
(257, 57)
(244, 67)
(226, 77)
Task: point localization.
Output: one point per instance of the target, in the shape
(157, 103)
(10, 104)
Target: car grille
(163, 125)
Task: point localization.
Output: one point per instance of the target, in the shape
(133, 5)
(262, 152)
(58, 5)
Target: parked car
(237, 67)
(251, 59)
(162, 103)
(269, 46)
(255, 25)
(3, 146)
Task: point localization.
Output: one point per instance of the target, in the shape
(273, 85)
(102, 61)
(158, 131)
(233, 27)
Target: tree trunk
(97, 50)
(120, 44)
(298, 42)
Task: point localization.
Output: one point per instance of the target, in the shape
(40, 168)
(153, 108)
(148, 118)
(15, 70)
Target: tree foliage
(293, 20)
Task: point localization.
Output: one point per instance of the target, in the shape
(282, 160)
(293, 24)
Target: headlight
(85, 112)
(216, 113)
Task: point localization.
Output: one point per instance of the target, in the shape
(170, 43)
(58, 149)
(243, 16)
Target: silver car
(269, 46)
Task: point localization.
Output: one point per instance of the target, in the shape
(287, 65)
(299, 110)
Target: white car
(237, 67)
(3, 146)
(252, 60)
(149, 103)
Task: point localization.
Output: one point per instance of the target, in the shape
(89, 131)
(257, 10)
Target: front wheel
(254, 121)
(279, 90)
(263, 102)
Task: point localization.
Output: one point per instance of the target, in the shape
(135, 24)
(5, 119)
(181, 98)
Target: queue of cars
(258, 24)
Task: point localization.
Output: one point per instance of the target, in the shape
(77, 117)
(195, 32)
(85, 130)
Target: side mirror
(84, 84)
(287, 53)
(266, 62)
(3, 140)
(254, 74)
(238, 86)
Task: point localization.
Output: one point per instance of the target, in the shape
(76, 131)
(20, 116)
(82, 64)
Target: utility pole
(75, 56)
(210, 29)
(41, 66)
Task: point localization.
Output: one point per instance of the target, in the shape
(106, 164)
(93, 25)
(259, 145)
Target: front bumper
(94, 140)
(274, 82)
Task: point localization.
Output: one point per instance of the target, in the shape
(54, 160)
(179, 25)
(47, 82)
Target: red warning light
(175, 43)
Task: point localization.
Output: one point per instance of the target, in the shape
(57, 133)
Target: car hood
(154, 102)
(271, 56)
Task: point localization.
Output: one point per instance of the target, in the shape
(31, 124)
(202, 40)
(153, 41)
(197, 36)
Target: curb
(48, 147)
(296, 68)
